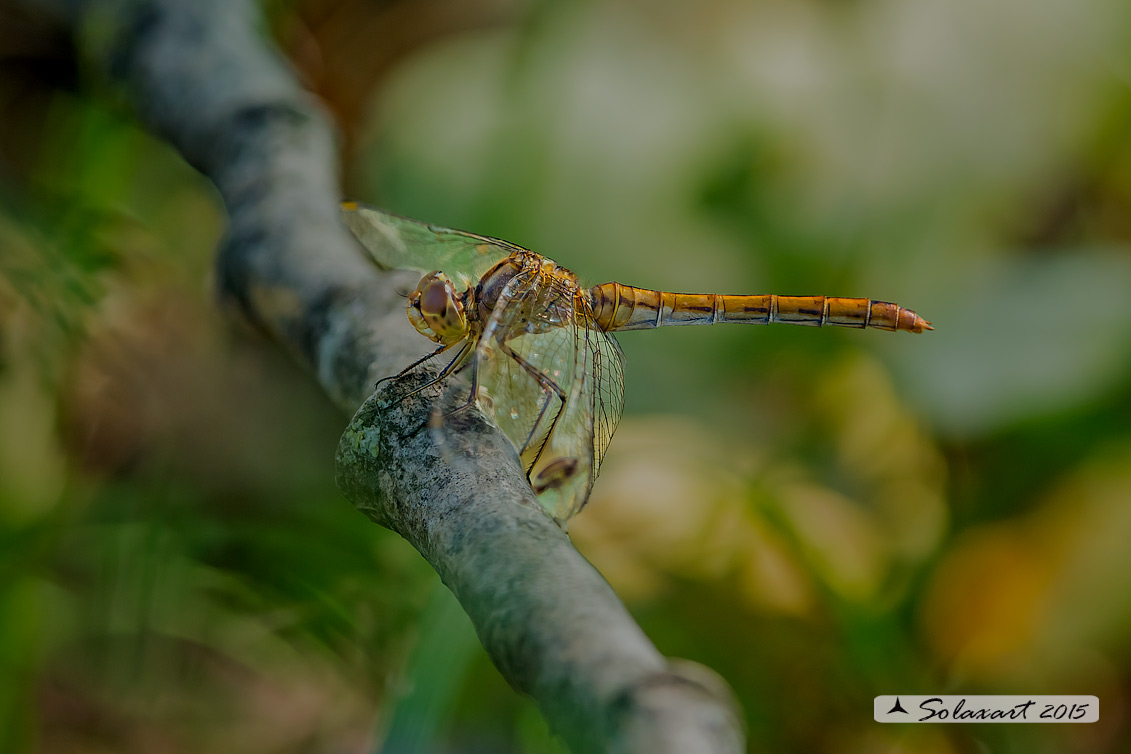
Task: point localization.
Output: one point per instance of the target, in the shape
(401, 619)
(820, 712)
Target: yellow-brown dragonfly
(543, 362)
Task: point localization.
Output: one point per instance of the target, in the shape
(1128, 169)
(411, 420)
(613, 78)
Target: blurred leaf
(437, 673)
(1024, 338)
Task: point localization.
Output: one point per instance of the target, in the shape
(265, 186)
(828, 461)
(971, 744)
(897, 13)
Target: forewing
(554, 385)
(518, 362)
(590, 417)
(608, 389)
(398, 243)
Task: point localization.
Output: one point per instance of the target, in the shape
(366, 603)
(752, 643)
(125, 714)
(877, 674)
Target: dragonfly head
(436, 310)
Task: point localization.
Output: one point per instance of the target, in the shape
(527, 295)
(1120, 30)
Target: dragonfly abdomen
(625, 307)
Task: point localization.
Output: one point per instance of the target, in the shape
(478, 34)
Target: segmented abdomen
(624, 307)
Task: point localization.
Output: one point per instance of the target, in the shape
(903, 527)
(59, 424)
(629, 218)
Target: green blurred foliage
(821, 516)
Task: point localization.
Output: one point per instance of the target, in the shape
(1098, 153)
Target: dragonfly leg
(549, 388)
(442, 375)
(436, 420)
(411, 366)
(473, 393)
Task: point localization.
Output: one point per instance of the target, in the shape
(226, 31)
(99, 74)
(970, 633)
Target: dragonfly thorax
(493, 284)
(436, 309)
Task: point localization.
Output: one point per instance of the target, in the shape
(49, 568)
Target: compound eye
(435, 309)
(435, 299)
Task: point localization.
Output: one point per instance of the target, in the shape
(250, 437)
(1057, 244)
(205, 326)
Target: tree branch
(198, 74)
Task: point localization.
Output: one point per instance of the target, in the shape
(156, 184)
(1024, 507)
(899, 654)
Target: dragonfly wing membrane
(587, 422)
(398, 243)
(608, 391)
(556, 387)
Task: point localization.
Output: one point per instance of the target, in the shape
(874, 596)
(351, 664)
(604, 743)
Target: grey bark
(198, 74)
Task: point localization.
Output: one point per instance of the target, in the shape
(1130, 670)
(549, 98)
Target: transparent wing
(554, 384)
(398, 243)
(585, 426)
(608, 388)
(520, 362)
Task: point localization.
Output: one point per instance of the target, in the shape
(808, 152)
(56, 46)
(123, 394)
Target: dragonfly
(539, 346)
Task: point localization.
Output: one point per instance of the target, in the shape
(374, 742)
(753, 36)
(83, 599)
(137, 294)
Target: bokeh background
(822, 516)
